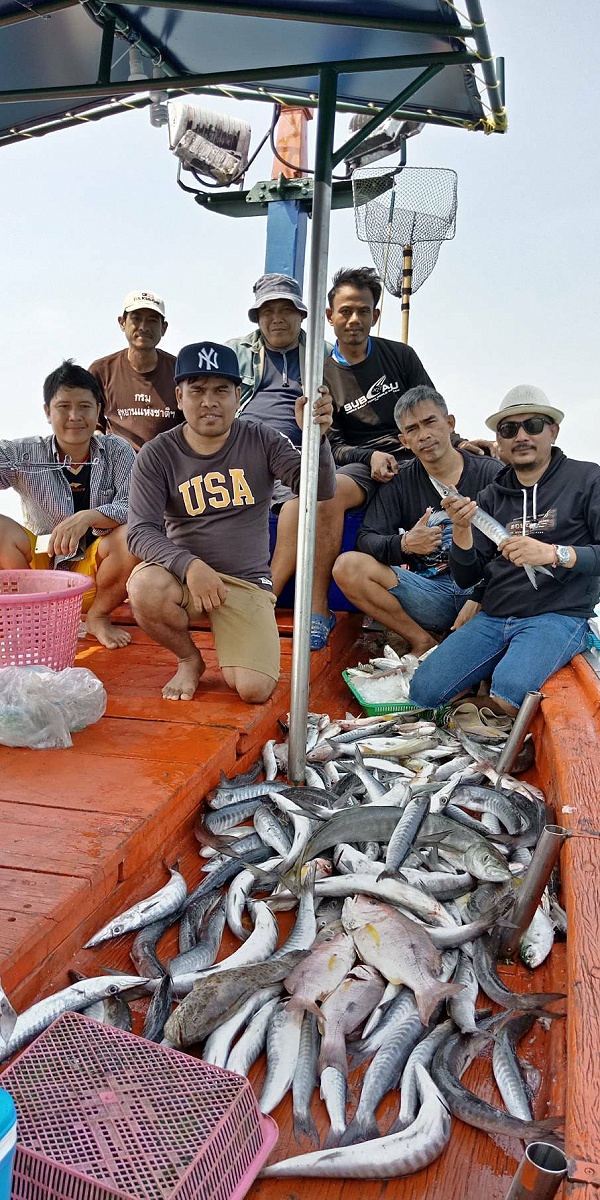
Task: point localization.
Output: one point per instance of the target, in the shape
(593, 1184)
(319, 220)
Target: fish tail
(333, 1138)
(304, 1126)
(360, 1129)
(300, 1004)
(530, 573)
(431, 995)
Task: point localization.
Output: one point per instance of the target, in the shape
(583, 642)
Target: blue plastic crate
(337, 601)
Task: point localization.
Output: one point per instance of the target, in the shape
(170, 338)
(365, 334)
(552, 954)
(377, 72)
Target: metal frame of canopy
(250, 84)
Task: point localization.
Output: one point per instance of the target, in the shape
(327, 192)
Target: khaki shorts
(88, 565)
(243, 627)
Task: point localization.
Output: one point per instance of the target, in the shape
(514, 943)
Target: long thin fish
(490, 528)
(383, 1158)
(167, 900)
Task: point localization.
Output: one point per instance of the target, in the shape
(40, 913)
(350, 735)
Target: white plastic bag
(39, 707)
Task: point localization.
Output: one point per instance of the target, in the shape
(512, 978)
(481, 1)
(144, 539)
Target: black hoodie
(562, 508)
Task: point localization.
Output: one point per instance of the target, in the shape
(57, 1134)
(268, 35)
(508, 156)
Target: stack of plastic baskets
(39, 617)
(105, 1115)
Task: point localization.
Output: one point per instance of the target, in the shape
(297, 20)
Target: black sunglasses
(508, 429)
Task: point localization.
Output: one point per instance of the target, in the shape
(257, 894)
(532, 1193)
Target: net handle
(407, 270)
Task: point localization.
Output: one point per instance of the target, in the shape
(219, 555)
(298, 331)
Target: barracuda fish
(203, 954)
(145, 912)
(71, 999)
(217, 1047)
(483, 965)
(252, 1041)
(507, 1072)
(491, 528)
(143, 952)
(8, 1017)
(283, 1046)
(305, 1080)
(383, 1158)
(450, 1063)
(382, 1074)
(159, 1010)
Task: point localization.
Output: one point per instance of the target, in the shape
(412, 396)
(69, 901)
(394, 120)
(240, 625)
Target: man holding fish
(401, 530)
(542, 514)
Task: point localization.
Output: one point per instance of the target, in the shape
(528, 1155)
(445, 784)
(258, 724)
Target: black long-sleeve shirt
(402, 502)
(562, 508)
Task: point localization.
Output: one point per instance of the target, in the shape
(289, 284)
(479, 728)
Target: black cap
(207, 358)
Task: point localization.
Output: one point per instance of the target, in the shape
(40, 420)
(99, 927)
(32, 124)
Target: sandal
(481, 721)
(320, 628)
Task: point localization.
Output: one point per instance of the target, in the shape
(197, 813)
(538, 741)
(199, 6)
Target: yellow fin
(374, 934)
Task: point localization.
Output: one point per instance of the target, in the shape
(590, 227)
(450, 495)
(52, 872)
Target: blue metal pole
(286, 239)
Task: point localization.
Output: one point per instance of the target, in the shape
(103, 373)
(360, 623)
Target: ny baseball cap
(525, 399)
(135, 300)
(276, 287)
(207, 358)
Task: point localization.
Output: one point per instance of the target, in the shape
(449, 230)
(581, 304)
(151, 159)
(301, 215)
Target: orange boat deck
(85, 832)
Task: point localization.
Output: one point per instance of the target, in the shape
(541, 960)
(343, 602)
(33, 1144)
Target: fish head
(359, 911)
(488, 865)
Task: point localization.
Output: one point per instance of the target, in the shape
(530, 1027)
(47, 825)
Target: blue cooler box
(8, 1141)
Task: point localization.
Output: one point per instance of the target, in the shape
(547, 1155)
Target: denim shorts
(519, 653)
(433, 601)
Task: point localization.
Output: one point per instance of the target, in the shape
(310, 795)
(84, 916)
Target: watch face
(563, 555)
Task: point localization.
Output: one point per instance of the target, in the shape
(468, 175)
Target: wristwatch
(562, 556)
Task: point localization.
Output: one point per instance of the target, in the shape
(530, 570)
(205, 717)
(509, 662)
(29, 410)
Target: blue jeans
(520, 654)
(433, 601)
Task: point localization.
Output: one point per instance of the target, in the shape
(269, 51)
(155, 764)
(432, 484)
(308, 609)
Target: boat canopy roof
(63, 62)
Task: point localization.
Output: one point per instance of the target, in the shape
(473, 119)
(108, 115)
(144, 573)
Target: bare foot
(422, 646)
(107, 634)
(185, 680)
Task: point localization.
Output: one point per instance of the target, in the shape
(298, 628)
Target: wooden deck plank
(474, 1166)
(569, 769)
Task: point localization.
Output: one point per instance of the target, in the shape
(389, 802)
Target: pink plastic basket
(39, 617)
(105, 1115)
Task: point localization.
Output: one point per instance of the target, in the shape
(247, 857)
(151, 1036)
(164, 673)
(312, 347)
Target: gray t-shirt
(274, 400)
(184, 505)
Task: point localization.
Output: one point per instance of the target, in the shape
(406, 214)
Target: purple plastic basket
(105, 1115)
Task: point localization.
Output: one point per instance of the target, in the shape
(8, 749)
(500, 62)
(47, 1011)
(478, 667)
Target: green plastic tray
(393, 706)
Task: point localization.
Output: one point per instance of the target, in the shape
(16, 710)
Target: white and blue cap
(207, 358)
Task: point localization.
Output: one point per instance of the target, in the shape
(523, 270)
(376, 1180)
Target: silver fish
(490, 528)
(204, 953)
(8, 1016)
(71, 999)
(259, 946)
(167, 900)
(217, 1046)
(251, 1043)
(305, 1080)
(383, 1158)
(283, 1047)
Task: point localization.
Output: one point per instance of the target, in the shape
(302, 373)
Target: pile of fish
(400, 859)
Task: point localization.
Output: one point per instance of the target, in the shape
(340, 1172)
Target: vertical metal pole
(541, 1172)
(315, 332)
(544, 859)
(406, 290)
(516, 737)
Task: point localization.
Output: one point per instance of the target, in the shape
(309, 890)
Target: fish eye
(112, 989)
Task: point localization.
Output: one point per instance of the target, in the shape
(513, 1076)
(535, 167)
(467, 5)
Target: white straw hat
(524, 399)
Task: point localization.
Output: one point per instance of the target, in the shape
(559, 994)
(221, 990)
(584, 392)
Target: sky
(90, 213)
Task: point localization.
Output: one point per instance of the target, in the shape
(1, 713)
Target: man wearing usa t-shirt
(138, 384)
